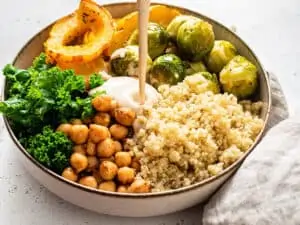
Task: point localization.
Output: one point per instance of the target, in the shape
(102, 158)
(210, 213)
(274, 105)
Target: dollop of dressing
(125, 90)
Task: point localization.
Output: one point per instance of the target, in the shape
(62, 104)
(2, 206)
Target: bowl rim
(181, 190)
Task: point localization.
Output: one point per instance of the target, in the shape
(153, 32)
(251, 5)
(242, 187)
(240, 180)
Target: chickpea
(106, 148)
(122, 189)
(126, 175)
(111, 159)
(69, 174)
(113, 113)
(79, 134)
(135, 165)
(102, 119)
(108, 186)
(89, 181)
(97, 176)
(79, 162)
(123, 159)
(87, 121)
(65, 128)
(114, 105)
(102, 103)
(125, 116)
(118, 146)
(98, 133)
(91, 148)
(118, 131)
(139, 186)
(80, 149)
(93, 163)
(108, 170)
(76, 122)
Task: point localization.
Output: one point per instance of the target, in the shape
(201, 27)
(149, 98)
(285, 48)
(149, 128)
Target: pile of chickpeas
(98, 159)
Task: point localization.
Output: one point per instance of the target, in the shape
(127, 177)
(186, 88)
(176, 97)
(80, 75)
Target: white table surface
(270, 27)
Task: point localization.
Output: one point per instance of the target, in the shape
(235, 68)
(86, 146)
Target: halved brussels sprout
(166, 69)
(195, 39)
(194, 67)
(157, 39)
(239, 77)
(125, 61)
(202, 82)
(220, 55)
(174, 25)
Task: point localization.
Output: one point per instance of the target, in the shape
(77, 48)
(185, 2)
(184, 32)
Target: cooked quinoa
(190, 135)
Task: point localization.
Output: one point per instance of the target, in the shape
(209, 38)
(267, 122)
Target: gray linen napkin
(266, 189)
(279, 109)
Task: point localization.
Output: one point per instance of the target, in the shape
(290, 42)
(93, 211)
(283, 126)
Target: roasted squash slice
(125, 26)
(86, 68)
(82, 36)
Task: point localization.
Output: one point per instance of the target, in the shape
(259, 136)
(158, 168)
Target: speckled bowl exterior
(136, 205)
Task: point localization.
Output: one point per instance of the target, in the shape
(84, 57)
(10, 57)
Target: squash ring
(86, 68)
(91, 23)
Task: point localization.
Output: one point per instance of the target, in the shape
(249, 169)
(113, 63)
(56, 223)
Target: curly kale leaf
(37, 100)
(40, 63)
(44, 95)
(50, 148)
(96, 81)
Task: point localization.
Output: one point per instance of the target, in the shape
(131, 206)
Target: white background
(270, 27)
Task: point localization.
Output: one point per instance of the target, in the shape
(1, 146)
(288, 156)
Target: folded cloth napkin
(279, 109)
(266, 188)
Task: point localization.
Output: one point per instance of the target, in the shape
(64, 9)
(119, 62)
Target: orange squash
(160, 14)
(82, 36)
(86, 68)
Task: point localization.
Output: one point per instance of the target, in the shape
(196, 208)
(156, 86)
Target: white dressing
(125, 90)
(119, 53)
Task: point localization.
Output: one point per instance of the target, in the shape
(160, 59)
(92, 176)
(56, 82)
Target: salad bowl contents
(71, 106)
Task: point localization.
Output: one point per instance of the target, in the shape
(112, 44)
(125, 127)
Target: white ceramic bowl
(136, 205)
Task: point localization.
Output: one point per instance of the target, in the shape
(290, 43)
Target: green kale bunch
(38, 100)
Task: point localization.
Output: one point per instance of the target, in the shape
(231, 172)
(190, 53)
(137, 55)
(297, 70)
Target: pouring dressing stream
(129, 91)
(143, 6)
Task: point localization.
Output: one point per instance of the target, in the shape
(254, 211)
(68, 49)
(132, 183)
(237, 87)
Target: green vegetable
(125, 61)
(50, 148)
(239, 77)
(43, 95)
(39, 63)
(95, 81)
(175, 24)
(157, 39)
(38, 100)
(166, 69)
(171, 49)
(195, 39)
(203, 82)
(220, 55)
(194, 67)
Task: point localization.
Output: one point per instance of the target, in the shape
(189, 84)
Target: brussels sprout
(166, 69)
(239, 77)
(171, 49)
(195, 39)
(157, 39)
(174, 25)
(203, 82)
(125, 61)
(194, 67)
(220, 55)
